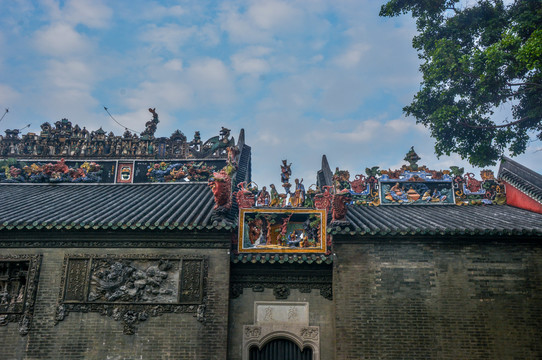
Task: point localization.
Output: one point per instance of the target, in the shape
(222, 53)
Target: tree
(477, 57)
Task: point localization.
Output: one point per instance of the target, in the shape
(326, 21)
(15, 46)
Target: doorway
(280, 349)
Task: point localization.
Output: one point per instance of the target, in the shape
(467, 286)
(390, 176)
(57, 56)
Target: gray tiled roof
(440, 220)
(522, 178)
(107, 206)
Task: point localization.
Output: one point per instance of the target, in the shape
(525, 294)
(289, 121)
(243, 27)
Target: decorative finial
(412, 159)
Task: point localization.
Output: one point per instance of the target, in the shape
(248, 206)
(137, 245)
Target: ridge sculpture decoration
(417, 185)
(65, 140)
(12, 171)
(411, 185)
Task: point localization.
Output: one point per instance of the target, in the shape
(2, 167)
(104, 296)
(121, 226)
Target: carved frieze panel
(282, 284)
(130, 288)
(18, 284)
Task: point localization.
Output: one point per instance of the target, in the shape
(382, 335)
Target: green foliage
(476, 59)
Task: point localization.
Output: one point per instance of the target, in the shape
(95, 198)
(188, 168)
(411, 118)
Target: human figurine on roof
(298, 198)
(286, 172)
(397, 193)
(263, 198)
(275, 198)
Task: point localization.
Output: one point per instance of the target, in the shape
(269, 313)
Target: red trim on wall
(515, 197)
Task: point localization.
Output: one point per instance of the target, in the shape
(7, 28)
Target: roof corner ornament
(220, 184)
(150, 126)
(339, 208)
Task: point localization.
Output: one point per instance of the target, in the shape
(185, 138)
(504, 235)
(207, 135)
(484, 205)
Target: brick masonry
(93, 336)
(419, 299)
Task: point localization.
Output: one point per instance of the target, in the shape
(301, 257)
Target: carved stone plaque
(76, 279)
(191, 281)
(287, 312)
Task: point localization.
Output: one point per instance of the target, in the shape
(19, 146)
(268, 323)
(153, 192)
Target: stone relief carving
(18, 286)
(130, 288)
(133, 281)
(309, 333)
(281, 292)
(252, 331)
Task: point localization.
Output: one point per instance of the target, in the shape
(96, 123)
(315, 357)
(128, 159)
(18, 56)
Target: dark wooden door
(280, 349)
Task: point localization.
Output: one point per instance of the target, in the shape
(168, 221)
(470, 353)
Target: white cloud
(250, 61)
(60, 40)
(170, 36)
(212, 81)
(353, 55)
(273, 15)
(239, 28)
(91, 13)
(264, 21)
(405, 124)
(155, 11)
(208, 35)
(70, 74)
(8, 95)
(174, 64)
(164, 94)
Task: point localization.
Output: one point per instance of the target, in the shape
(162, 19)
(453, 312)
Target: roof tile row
(443, 220)
(108, 206)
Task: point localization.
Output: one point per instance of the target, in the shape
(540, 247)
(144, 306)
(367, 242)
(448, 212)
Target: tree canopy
(478, 58)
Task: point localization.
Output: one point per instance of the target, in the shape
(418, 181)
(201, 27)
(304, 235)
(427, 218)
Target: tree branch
(487, 127)
(525, 83)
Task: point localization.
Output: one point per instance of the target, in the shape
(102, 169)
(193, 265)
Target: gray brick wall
(419, 299)
(93, 336)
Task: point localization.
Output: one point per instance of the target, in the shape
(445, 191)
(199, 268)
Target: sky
(303, 78)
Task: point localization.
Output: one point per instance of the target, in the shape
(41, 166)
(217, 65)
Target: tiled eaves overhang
(439, 220)
(525, 187)
(522, 178)
(281, 258)
(154, 206)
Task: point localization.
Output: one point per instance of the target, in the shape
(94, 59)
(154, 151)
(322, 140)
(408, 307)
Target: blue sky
(303, 78)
